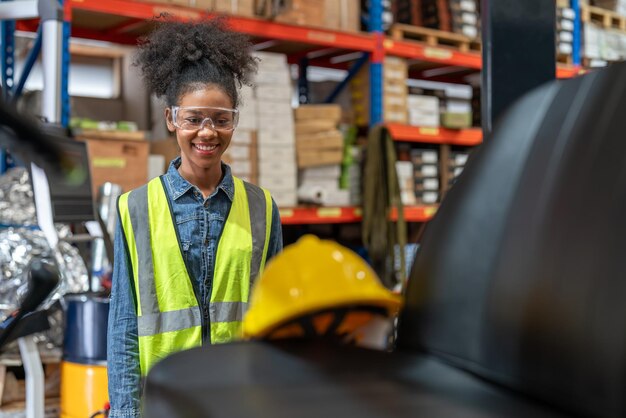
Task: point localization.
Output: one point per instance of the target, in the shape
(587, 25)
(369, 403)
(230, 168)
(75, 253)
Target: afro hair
(180, 57)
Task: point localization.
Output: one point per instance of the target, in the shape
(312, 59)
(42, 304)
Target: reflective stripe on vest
(168, 316)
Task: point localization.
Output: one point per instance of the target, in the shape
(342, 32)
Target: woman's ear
(168, 120)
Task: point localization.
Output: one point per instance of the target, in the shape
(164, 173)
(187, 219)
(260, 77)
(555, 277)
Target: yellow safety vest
(169, 318)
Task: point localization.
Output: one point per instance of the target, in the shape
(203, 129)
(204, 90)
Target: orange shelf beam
(254, 27)
(443, 55)
(334, 215)
(466, 137)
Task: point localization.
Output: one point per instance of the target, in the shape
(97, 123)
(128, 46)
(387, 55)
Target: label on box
(430, 184)
(427, 170)
(468, 5)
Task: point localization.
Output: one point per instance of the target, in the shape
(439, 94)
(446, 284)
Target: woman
(189, 243)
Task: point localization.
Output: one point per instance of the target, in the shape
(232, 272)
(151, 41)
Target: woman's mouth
(205, 148)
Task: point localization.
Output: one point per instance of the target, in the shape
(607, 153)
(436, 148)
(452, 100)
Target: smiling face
(201, 150)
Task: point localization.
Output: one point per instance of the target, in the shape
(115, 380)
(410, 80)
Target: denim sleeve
(122, 345)
(276, 234)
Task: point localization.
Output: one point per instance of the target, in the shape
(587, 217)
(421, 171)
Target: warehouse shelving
(408, 133)
(123, 21)
(327, 215)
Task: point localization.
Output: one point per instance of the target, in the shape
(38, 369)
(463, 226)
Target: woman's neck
(205, 179)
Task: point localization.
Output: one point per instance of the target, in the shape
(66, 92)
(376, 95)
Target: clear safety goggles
(195, 118)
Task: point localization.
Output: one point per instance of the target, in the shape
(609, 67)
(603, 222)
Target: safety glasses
(195, 118)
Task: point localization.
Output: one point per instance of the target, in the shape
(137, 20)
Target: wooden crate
(433, 37)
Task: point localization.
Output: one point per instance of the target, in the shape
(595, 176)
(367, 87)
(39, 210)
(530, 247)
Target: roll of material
(311, 193)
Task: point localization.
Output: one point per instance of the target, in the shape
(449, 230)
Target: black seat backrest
(521, 276)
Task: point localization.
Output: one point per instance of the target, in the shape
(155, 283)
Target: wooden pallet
(606, 18)
(433, 37)
(564, 59)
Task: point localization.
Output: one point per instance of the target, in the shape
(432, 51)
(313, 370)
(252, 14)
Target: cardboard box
(117, 161)
(243, 137)
(275, 109)
(311, 126)
(280, 77)
(322, 140)
(283, 124)
(235, 7)
(278, 168)
(277, 137)
(268, 60)
(281, 182)
(320, 173)
(284, 198)
(456, 120)
(274, 92)
(343, 15)
(276, 152)
(323, 111)
(312, 158)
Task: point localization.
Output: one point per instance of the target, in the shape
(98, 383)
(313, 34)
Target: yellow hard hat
(313, 276)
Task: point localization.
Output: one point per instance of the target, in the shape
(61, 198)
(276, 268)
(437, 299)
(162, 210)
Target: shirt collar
(179, 186)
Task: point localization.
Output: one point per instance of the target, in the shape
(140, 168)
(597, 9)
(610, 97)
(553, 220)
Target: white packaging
(279, 77)
(565, 36)
(458, 106)
(429, 197)
(427, 170)
(429, 104)
(274, 92)
(276, 152)
(284, 198)
(564, 48)
(156, 165)
(470, 31)
(430, 184)
(275, 110)
(457, 91)
(469, 18)
(270, 59)
(278, 137)
(276, 125)
(313, 174)
(461, 159)
(277, 182)
(426, 120)
(458, 171)
(566, 24)
(238, 152)
(242, 136)
(468, 5)
(591, 46)
(568, 13)
(279, 169)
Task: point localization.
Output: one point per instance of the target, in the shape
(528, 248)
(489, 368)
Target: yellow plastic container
(83, 389)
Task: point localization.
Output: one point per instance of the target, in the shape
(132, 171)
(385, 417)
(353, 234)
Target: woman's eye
(222, 122)
(193, 120)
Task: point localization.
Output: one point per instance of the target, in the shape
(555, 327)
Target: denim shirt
(199, 223)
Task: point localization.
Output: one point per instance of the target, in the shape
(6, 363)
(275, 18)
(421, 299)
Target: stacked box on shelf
(618, 6)
(242, 155)
(426, 183)
(275, 135)
(319, 155)
(436, 15)
(454, 167)
(464, 17)
(331, 14)
(565, 32)
(423, 110)
(455, 103)
(394, 92)
(408, 12)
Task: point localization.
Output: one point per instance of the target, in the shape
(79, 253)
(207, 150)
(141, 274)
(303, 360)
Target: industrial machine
(514, 306)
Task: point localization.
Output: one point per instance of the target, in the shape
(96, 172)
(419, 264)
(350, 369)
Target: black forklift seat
(515, 306)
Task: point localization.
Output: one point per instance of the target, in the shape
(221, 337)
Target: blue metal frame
(351, 73)
(303, 81)
(376, 63)
(576, 41)
(28, 66)
(65, 74)
(7, 27)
